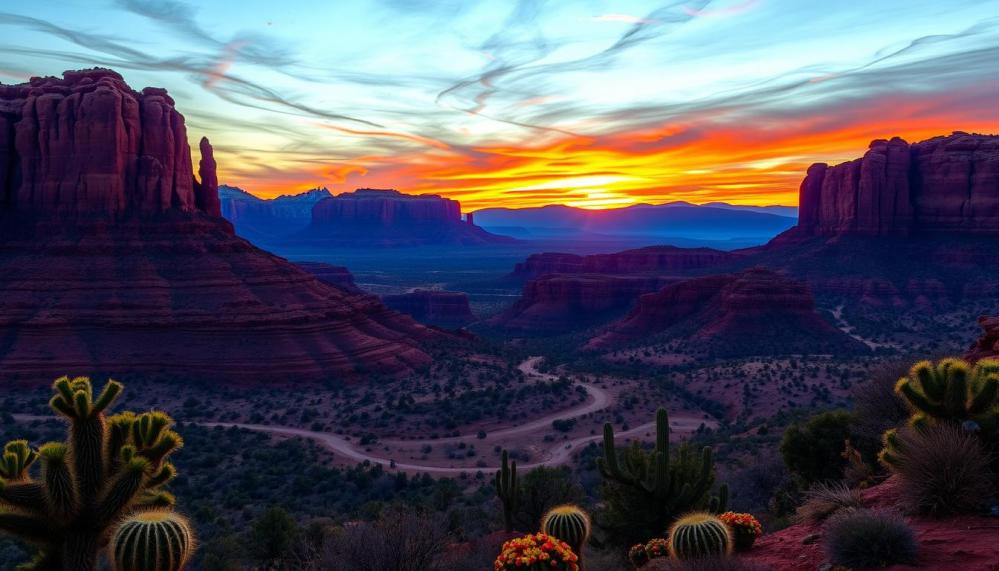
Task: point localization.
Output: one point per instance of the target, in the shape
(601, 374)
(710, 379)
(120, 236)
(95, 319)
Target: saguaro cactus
(108, 468)
(152, 541)
(507, 489)
(676, 484)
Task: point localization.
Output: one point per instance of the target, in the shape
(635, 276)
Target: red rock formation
(433, 307)
(558, 303)
(389, 218)
(88, 145)
(114, 260)
(946, 184)
(640, 260)
(987, 346)
(329, 274)
(739, 313)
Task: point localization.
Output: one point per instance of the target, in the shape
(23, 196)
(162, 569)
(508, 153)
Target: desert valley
(204, 370)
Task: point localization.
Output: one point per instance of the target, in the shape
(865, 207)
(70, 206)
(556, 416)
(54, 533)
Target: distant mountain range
(713, 221)
(258, 218)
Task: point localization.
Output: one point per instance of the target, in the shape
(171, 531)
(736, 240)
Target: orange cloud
(758, 161)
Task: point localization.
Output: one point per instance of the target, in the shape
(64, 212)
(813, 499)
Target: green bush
(814, 451)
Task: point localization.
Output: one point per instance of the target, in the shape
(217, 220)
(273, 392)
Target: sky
(597, 104)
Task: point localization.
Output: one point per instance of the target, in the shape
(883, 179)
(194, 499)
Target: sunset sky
(503, 103)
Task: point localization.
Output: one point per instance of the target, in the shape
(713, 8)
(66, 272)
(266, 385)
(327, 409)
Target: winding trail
(850, 330)
(559, 453)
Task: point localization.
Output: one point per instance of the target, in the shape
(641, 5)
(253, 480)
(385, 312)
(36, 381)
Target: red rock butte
(943, 184)
(374, 217)
(114, 258)
(755, 311)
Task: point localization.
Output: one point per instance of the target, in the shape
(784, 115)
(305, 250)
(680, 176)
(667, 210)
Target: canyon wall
(944, 184)
(114, 259)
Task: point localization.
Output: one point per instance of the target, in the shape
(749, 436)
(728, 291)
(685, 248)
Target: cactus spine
(108, 468)
(507, 489)
(570, 524)
(699, 535)
(675, 483)
(152, 541)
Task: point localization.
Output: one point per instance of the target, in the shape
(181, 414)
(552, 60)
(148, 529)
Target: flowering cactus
(536, 552)
(637, 555)
(745, 528)
(657, 548)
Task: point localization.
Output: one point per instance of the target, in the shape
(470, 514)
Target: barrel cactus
(699, 535)
(154, 540)
(109, 468)
(568, 523)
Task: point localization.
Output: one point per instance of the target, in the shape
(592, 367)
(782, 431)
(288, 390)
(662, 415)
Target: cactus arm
(507, 489)
(166, 444)
(60, 486)
(662, 432)
(610, 452)
(985, 395)
(956, 399)
(27, 496)
(917, 399)
(122, 491)
(111, 391)
(166, 473)
(719, 503)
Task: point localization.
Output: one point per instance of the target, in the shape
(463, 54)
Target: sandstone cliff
(755, 311)
(639, 260)
(433, 307)
(388, 218)
(114, 258)
(943, 184)
(559, 303)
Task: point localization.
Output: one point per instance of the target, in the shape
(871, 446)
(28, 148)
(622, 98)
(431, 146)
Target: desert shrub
(401, 539)
(814, 451)
(825, 500)
(943, 470)
(876, 408)
(866, 538)
(706, 564)
(541, 489)
(272, 536)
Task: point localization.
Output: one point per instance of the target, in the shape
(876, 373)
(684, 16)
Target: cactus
(507, 489)
(699, 535)
(951, 391)
(668, 484)
(154, 540)
(108, 468)
(570, 524)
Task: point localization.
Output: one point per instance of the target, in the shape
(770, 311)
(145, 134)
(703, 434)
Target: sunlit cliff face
(593, 104)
